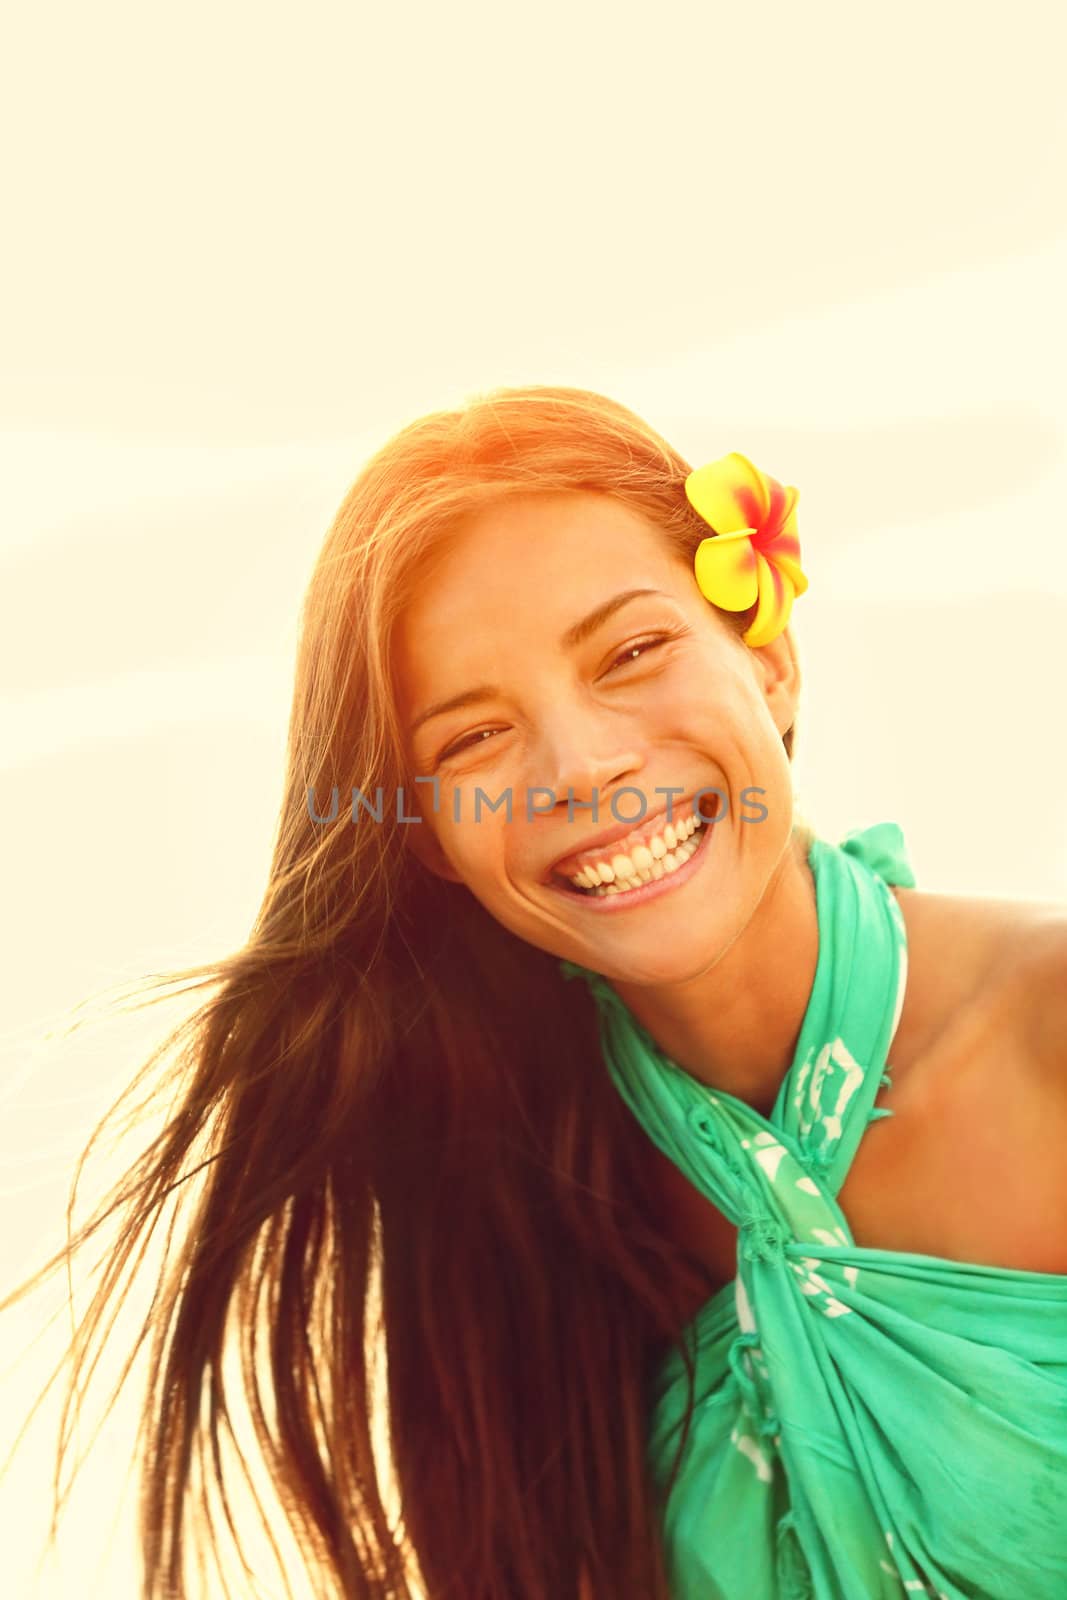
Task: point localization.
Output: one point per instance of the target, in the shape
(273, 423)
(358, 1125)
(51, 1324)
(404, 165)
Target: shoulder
(985, 1053)
(995, 937)
(977, 956)
(1042, 995)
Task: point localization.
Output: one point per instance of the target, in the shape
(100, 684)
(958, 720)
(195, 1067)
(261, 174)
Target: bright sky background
(246, 243)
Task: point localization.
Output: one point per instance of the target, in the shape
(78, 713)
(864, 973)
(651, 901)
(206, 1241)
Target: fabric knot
(881, 847)
(816, 1159)
(701, 1119)
(761, 1238)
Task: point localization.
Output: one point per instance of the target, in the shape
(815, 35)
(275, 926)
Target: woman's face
(566, 689)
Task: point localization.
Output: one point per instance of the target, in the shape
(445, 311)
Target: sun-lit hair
(387, 1103)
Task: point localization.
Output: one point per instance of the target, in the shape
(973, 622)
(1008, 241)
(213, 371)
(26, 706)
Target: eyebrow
(572, 638)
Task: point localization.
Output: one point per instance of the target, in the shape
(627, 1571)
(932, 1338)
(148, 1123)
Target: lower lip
(648, 891)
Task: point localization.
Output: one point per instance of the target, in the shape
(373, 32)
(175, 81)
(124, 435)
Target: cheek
(475, 848)
(691, 709)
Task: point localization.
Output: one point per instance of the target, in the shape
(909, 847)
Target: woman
(662, 1316)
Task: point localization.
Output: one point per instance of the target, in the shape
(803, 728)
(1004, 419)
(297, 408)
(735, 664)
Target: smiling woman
(612, 723)
(634, 1345)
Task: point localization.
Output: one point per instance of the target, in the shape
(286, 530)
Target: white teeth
(670, 863)
(644, 864)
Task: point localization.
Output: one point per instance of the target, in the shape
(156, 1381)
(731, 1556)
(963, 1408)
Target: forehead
(539, 555)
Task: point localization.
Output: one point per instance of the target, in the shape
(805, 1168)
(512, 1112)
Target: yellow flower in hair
(753, 555)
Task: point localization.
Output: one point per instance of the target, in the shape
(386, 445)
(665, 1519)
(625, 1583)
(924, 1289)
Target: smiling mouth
(622, 874)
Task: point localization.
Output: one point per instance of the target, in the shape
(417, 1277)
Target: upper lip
(568, 864)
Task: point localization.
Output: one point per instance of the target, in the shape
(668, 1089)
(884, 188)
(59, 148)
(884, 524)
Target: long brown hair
(390, 1121)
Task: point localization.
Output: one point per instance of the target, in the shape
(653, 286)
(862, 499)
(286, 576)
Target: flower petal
(783, 546)
(725, 568)
(776, 595)
(730, 494)
(791, 570)
(781, 508)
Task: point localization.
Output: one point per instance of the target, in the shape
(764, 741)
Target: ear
(420, 839)
(778, 670)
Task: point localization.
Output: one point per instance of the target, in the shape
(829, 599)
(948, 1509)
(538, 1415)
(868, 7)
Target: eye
(464, 743)
(639, 648)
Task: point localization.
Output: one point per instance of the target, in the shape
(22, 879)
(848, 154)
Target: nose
(586, 757)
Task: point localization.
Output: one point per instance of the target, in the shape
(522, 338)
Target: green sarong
(869, 1424)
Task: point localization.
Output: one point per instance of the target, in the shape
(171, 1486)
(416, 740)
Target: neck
(736, 1025)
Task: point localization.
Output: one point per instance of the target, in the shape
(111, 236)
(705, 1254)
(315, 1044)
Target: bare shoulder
(983, 1025)
(1042, 996)
(979, 954)
(992, 935)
